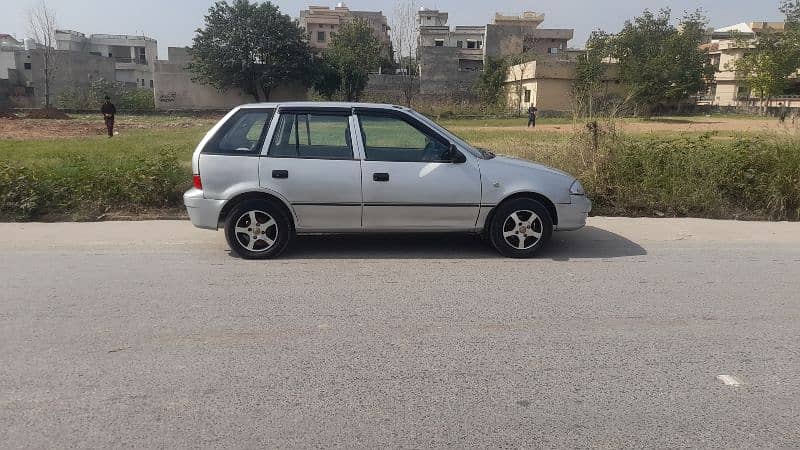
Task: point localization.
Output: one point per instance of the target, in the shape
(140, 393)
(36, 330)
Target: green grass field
(650, 168)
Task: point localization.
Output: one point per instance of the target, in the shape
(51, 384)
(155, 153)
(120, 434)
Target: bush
(83, 188)
(126, 97)
(691, 176)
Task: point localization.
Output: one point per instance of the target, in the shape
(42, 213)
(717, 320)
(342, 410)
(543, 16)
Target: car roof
(337, 105)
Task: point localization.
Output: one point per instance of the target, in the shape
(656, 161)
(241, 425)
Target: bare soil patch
(34, 129)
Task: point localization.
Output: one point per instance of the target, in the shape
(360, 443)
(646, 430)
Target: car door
(409, 179)
(310, 162)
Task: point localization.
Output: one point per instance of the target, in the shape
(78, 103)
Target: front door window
(389, 138)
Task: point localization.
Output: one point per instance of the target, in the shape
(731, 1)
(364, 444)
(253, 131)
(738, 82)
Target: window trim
(297, 111)
(257, 148)
(409, 119)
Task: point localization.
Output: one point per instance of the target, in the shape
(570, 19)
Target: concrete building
(322, 22)
(8, 45)
(175, 90)
(71, 70)
(134, 56)
(726, 45)
(547, 84)
(451, 59)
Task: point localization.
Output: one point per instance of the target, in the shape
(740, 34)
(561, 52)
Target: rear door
(409, 180)
(310, 161)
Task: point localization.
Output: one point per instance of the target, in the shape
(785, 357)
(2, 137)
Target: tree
(355, 52)
(519, 66)
(590, 69)
(772, 57)
(42, 28)
(250, 46)
(490, 86)
(660, 63)
(405, 35)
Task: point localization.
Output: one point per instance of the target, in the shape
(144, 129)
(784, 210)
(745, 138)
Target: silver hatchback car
(267, 172)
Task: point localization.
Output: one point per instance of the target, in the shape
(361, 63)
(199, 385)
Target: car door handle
(380, 177)
(280, 174)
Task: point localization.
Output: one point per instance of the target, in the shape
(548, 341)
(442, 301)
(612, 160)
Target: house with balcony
(133, 56)
(451, 59)
(726, 46)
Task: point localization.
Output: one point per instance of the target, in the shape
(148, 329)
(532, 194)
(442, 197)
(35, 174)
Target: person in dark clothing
(783, 112)
(532, 116)
(109, 111)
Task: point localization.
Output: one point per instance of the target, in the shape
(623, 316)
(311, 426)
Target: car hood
(518, 163)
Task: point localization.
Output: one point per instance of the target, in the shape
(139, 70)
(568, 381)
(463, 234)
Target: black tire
(539, 222)
(280, 233)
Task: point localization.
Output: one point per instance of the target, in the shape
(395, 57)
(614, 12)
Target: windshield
(476, 152)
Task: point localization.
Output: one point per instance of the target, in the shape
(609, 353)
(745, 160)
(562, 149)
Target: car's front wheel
(257, 229)
(520, 227)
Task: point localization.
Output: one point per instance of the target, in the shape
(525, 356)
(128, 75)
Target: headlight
(576, 188)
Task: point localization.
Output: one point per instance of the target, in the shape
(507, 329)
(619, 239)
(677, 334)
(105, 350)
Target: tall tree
(405, 35)
(42, 28)
(772, 57)
(519, 70)
(490, 86)
(590, 69)
(355, 52)
(659, 62)
(250, 46)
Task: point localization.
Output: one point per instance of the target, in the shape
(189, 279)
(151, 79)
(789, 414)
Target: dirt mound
(47, 113)
(8, 115)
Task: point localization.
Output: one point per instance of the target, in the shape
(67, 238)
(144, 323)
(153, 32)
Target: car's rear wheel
(520, 227)
(257, 229)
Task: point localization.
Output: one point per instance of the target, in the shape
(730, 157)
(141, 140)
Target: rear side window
(242, 134)
(312, 136)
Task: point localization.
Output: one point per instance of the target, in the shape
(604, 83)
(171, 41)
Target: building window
(471, 44)
(439, 42)
(142, 82)
(320, 36)
(479, 44)
(151, 84)
(30, 92)
(27, 66)
(552, 50)
(527, 95)
(460, 44)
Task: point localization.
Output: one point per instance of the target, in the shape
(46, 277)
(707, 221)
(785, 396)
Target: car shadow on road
(589, 242)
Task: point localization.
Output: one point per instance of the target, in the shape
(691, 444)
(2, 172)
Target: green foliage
(83, 187)
(327, 80)
(590, 70)
(490, 86)
(661, 63)
(126, 97)
(251, 46)
(353, 52)
(699, 176)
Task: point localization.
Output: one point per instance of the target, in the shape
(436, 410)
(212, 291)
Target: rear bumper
(203, 212)
(572, 216)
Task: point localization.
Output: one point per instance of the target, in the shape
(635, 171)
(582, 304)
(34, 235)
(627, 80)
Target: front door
(409, 180)
(310, 162)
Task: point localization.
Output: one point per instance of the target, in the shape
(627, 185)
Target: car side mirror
(455, 155)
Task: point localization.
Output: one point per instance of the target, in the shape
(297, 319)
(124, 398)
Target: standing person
(532, 116)
(783, 111)
(109, 111)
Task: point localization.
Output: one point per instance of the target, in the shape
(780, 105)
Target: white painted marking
(729, 380)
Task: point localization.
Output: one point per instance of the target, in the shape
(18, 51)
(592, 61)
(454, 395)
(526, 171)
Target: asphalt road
(153, 335)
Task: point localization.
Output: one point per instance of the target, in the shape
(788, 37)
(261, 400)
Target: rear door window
(242, 134)
(312, 136)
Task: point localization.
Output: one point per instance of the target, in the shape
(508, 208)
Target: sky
(173, 22)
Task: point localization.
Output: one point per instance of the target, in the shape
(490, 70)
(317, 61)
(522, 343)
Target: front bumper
(572, 216)
(203, 212)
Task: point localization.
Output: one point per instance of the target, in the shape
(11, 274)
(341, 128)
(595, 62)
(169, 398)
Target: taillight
(196, 182)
